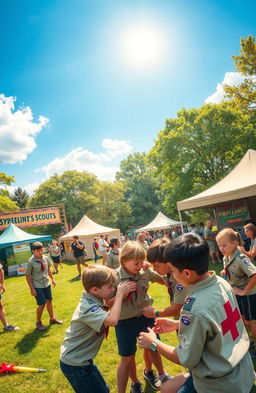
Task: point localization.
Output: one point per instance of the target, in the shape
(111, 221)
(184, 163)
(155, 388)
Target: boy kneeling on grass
(89, 326)
(213, 343)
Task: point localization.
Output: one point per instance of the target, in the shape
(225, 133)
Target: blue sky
(95, 80)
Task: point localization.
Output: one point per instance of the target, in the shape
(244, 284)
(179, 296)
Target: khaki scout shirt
(113, 259)
(39, 277)
(253, 245)
(178, 293)
(213, 342)
(239, 269)
(209, 233)
(85, 333)
(133, 305)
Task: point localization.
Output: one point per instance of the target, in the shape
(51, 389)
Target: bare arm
(51, 277)
(2, 287)
(250, 254)
(169, 311)
(78, 245)
(248, 287)
(169, 352)
(32, 289)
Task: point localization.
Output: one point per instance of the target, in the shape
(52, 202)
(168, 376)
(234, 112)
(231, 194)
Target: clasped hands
(162, 325)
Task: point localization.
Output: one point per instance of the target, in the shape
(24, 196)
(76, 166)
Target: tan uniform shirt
(239, 269)
(113, 259)
(209, 233)
(213, 342)
(34, 269)
(134, 303)
(178, 293)
(253, 245)
(85, 333)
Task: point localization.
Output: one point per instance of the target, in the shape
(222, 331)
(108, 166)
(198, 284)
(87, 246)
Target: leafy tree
(244, 94)
(142, 188)
(112, 209)
(20, 197)
(200, 147)
(6, 205)
(75, 189)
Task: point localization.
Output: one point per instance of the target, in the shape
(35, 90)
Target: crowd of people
(211, 314)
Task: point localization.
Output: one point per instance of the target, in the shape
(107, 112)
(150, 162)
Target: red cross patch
(229, 324)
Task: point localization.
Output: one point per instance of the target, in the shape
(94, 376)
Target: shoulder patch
(189, 303)
(186, 319)
(184, 341)
(90, 301)
(95, 308)
(179, 287)
(246, 261)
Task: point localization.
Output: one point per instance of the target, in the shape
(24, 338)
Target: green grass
(31, 348)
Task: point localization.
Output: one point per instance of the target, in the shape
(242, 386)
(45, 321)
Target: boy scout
(37, 272)
(213, 342)
(88, 327)
(177, 292)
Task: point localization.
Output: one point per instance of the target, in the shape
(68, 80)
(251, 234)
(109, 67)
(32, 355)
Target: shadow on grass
(75, 279)
(30, 340)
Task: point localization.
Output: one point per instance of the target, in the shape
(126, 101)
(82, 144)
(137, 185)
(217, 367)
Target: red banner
(44, 216)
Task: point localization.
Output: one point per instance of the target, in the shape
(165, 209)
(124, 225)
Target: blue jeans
(188, 386)
(85, 379)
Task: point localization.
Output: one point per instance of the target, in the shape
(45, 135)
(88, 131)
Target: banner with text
(232, 213)
(44, 216)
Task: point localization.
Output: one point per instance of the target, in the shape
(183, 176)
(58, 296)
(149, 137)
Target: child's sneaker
(164, 377)
(40, 326)
(55, 321)
(136, 387)
(152, 379)
(11, 328)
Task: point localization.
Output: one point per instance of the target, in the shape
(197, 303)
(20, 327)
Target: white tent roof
(239, 183)
(87, 227)
(160, 222)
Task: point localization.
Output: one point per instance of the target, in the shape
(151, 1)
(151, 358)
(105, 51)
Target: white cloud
(84, 160)
(230, 78)
(17, 131)
(30, 188)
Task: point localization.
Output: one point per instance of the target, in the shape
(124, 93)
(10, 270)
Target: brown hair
(131, 250)
(96, 276)
(37, 246)
(252, 228)
(141, 237)
(156, 250)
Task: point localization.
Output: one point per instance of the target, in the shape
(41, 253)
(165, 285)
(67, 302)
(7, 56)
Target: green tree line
(194, 150)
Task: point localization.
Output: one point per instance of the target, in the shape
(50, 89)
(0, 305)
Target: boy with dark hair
(79, 253)
(177, 292)
(37, 272)
(213, 343)
(89, 326)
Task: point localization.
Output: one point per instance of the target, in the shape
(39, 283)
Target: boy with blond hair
(89, 326)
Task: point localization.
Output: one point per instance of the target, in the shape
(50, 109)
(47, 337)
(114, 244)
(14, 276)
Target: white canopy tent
(86, 230)
(160, 222)
(239, 183)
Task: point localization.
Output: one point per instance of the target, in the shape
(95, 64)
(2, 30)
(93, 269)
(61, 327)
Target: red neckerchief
(227, 274)
(129, 297)
(106, 329)
(42, 265)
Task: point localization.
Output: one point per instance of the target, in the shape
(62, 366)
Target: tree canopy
(20, 197)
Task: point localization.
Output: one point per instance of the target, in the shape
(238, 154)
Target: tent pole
(180, 221)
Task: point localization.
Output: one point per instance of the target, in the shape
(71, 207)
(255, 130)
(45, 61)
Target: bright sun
(143, 47)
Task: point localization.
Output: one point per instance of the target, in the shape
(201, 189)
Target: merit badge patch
(185, 319)
(184, 341)
(246, 261)
(189, 303)
(95, 308)
(179, 287)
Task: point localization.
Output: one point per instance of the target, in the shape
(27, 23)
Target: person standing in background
(79, 253)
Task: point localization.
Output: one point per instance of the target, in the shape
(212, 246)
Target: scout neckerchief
(42, 264)
(106, 329)
(129, 297)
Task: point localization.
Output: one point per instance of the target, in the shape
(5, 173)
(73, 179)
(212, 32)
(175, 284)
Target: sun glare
(143, 47)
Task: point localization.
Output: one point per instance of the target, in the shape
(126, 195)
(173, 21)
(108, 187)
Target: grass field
(31, 348)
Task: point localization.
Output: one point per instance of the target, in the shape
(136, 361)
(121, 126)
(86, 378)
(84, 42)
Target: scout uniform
(38, 270)
(253, 244)
(211, 243)
(239, 269)
(134, 303)
(113, 259)
(213, 342)
(178, 293)
(85, 333)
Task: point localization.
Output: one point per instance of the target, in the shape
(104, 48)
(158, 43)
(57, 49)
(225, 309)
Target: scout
(88, 327)
(177, 292)
(213, 343)
(240, 273)
(37, 272)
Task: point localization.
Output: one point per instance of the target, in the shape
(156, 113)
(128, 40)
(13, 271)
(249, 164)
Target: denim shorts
(85, 379)
(127, 331)
(43, 294)
(188, 386)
